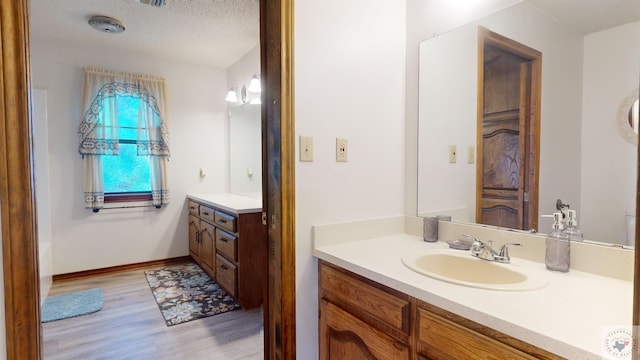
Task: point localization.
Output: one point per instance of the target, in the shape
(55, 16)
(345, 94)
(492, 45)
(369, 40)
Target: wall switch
(306, 148)
(341, 150)
(471, 155)
(452, 154)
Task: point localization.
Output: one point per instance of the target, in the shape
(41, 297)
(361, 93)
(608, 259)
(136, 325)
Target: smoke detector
(106, 24)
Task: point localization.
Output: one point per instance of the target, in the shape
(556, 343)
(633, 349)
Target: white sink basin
(463, 269)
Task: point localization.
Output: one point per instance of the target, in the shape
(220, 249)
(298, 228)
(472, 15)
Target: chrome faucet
(484, 251)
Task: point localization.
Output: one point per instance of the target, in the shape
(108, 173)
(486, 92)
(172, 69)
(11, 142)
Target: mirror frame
(622, 118)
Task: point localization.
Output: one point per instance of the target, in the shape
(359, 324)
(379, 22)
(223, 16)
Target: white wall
(196, 115)
(448, 93)
(349, 83)
(611, 72)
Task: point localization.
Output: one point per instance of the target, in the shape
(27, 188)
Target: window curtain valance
(98, 128)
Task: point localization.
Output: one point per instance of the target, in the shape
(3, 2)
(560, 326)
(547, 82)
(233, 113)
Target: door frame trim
(17, 191)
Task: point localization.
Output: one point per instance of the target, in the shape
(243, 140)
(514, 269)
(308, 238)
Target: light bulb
(232, 97)
(254, 85)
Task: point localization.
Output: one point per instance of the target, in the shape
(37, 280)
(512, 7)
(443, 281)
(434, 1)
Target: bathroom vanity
(229, 242)
(360, 316)
(373, 304)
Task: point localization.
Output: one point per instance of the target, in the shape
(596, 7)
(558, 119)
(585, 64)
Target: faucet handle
(503, 253)
(475, 239)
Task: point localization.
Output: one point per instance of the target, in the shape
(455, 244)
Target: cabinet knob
(223, 267)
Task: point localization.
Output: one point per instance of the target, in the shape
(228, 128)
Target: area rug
(73, 304)
(185, 292)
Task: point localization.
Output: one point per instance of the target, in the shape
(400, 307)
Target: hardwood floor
(130, 326)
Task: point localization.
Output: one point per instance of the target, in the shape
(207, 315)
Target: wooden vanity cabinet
(362, 319)
(231, 249)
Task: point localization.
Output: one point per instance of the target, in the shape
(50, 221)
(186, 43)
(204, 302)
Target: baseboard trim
(119, 268)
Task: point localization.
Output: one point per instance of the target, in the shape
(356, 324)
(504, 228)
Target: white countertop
(233, 203)
(569, 317)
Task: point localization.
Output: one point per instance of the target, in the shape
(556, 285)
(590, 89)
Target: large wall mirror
(588, 70)
(245, 150)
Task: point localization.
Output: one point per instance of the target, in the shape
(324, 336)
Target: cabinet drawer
(361, 296)
(440, 338)
(207, 213)
(225, 221)
(226, 245)
(226, 273)
(194, 208)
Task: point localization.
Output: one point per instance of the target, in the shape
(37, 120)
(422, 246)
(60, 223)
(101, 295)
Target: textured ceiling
(210, 32)
(219, 32)
(587, 16)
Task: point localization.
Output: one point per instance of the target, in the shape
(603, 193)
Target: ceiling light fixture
(106, 24)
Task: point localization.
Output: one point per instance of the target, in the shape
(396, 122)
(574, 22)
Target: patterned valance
(97, 131)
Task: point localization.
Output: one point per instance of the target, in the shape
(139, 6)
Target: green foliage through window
(126, 172)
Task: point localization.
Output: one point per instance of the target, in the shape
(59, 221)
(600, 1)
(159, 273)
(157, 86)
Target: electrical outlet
(452, 154)
(341, 150)
(471, 155)
(306, 148)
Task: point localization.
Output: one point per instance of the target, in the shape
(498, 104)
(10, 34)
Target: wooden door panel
(194, 237)
(208, 253)
(501, 81)
(501, 160)
(502, 139)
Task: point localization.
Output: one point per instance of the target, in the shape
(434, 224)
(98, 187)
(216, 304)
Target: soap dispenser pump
(558, 251)
(572, 230)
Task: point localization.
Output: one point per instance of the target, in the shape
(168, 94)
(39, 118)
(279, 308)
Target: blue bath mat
(72, 304)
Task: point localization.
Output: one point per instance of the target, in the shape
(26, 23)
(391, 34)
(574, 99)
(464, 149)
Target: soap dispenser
(572, 230)
(558, 250)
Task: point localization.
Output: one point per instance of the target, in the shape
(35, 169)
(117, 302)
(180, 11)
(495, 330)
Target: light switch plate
(471, 154)
(341, 150)
(452, 154)
(306, 148)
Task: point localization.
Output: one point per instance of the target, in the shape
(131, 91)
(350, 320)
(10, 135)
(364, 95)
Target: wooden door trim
(488, 37)
(279, 178)
(17, 193)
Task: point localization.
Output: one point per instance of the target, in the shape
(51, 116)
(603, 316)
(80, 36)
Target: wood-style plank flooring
(130, 326)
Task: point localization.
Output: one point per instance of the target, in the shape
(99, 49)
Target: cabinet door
(343, 336)
(194, 238)
(207, 242)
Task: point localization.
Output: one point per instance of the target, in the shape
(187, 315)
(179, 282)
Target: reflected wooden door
(508, 142)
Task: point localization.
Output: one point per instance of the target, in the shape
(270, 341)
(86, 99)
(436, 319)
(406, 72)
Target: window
(126, 175)
(123, 138)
